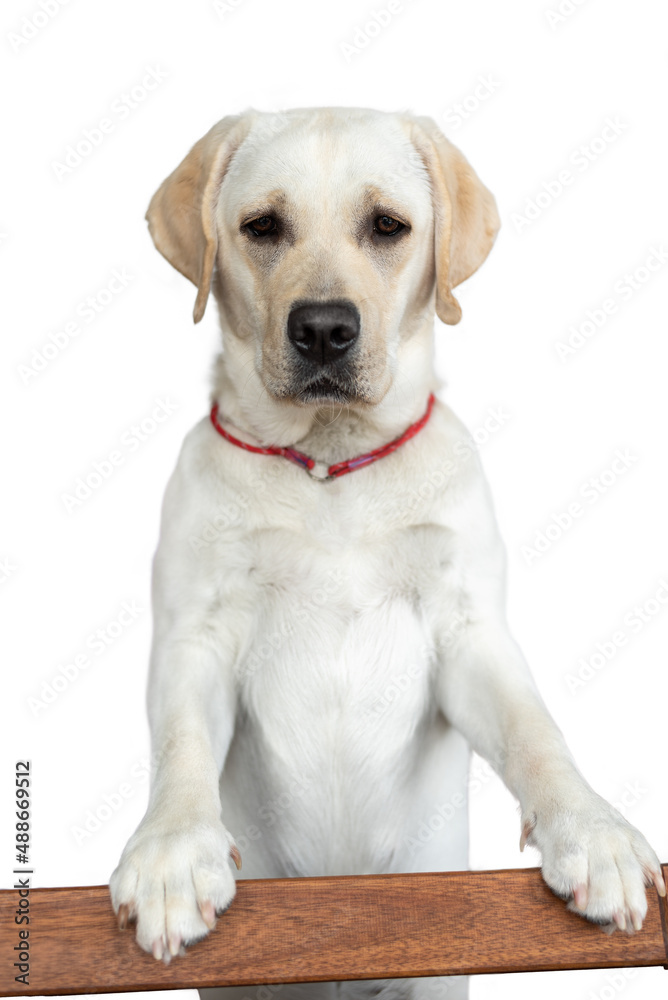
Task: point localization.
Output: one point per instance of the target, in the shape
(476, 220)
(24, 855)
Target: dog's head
(326, 234)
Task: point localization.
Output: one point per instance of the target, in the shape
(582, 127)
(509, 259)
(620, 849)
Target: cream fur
(325, 653)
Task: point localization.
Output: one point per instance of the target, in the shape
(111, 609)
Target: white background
(550, 89)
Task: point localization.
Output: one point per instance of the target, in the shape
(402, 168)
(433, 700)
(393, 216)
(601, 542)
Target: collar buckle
(320, 472)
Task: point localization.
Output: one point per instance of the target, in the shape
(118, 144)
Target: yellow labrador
(330, 636)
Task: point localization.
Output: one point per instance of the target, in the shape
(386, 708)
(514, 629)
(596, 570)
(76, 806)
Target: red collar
(318, 470)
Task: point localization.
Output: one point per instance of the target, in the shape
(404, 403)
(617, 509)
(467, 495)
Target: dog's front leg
(591, 855)
(175, 874)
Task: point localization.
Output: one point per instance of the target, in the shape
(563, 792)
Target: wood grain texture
(309, 929)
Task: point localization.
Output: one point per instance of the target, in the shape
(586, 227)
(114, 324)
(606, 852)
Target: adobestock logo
(615, 981)
(87, 311)
(557, 15)
(34, 23)
(605, 650)
(232, 512)
(591, 491)
(623, 290)
(98, 642)
(581, 159)
(223, 7)
(457, 114)
(366, 32)
(462, 452)
(111, 802)
(480, 774)
(121, 109)
(130, 442)
(7, 569)
(309, 608)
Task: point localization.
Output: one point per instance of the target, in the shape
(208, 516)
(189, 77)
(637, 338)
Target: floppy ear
(465, 217)
(181, 216)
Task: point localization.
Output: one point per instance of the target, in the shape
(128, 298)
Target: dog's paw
(597, 861)
(173, 883)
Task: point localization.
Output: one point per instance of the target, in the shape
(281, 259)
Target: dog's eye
(263, 226)
(387, 226)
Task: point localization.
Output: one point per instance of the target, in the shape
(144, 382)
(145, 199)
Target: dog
(328, 590)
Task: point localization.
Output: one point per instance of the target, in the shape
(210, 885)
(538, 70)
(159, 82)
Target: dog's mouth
(324, 390)
(334, 387)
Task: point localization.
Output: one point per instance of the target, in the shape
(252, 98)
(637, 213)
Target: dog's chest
(342, 645)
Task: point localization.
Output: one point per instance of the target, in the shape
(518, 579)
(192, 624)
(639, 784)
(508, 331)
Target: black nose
(323, 331)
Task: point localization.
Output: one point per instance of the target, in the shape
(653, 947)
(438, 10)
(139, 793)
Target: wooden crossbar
(321, 929)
